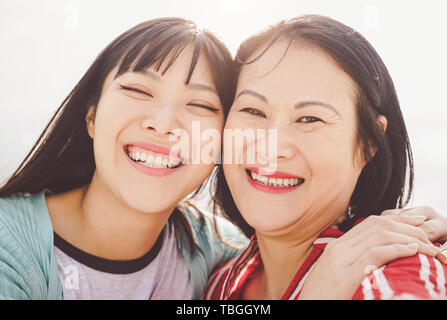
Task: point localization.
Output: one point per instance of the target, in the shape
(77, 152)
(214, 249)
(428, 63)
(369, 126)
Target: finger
(416, 211)
(352, 252)
(414, 220)
(386, 237)
(385, 234)
(443, 247)
(374, 223)
(435, 225)
(391, 211)
(442, 255)
(432, 229)
(382, 255)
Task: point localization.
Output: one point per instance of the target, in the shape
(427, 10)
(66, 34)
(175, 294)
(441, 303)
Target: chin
(267, 222)
(149, 206)
(148, 202)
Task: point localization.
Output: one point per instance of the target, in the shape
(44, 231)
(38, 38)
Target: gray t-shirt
(160, 274)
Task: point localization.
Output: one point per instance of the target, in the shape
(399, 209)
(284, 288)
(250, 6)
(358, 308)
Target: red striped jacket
(416, 277)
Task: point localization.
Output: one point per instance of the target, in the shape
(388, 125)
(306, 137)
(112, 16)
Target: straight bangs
(160, 47)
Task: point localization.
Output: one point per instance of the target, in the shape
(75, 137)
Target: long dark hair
(62, 159)
(381, 184)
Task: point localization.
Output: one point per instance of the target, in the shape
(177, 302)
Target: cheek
(202, 143)
(110, 121)
(241, 141)
(333, 164)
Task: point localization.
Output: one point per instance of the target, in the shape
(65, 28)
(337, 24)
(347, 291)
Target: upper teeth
(154, 161)
(276, 182)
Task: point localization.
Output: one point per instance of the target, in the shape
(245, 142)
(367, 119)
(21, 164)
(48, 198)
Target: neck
(281, 260)
(284, 251)
(98, 222)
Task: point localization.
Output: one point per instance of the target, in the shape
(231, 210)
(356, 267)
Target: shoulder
(214, 249)
(416, 277)
(229, 236)
(215, 286)
(25, 246)
(25, 215)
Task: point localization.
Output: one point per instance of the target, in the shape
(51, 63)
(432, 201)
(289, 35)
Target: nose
(280, 145)
(287, 146)
(163, 122)
(286, 151)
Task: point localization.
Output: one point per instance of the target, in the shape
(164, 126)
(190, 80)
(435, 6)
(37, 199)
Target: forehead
(177, 62)
(202, 72)
(297, 72)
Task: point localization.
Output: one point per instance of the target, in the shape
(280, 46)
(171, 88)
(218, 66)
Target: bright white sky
(48, 45)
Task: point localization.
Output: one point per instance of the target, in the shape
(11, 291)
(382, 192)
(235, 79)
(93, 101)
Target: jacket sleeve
(13, 274)
(419, 277)
(24, 260)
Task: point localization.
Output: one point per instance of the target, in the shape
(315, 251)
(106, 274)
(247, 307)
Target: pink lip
(277, 174)
(158, 172)
(270, 189)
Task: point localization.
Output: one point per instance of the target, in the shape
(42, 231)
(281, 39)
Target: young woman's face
(135, 118)
(310, 102)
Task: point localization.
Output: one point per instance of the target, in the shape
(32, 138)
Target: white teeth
(153, 161)
(275, 182)
(158, 161)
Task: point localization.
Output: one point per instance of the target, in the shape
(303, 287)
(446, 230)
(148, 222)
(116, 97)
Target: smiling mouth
(280, 183)
(152, 160)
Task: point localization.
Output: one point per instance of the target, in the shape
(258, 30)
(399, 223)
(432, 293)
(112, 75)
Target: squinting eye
(203, 106)
(254, 112)
(136, 90)
(308, 119)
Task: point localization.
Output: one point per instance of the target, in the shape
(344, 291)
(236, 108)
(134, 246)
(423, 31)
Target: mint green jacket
(28, 268)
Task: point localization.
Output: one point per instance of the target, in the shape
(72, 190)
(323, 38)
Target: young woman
(102, 179)
(342, 154)
(95, 209)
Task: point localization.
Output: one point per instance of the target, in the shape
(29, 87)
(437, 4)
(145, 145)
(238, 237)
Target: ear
(90, 121)
(382, 122)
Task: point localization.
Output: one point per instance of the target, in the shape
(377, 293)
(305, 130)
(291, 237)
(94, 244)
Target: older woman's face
(310, 102)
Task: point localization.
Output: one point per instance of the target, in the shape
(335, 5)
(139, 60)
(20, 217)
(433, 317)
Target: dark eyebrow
(253, 94)
(316, 103)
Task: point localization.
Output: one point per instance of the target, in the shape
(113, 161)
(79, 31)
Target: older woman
(342, 154)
